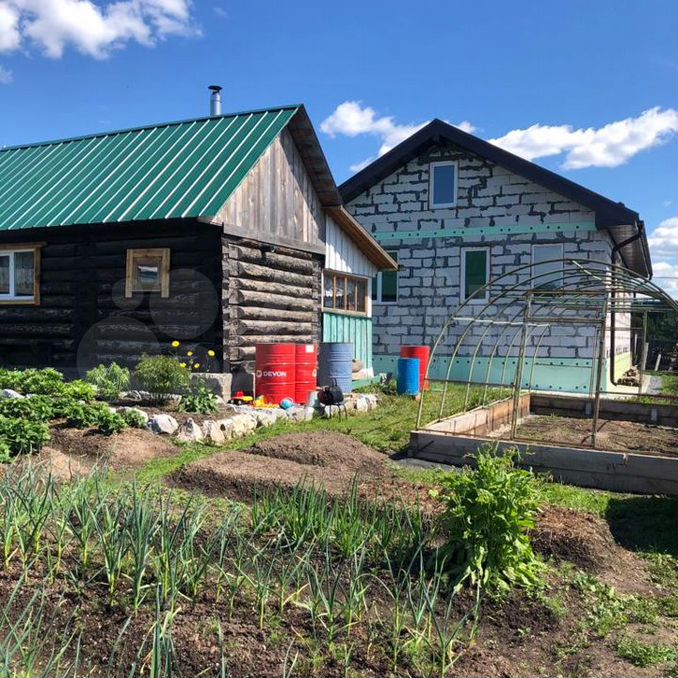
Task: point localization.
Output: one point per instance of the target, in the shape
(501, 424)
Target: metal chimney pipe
(215, 101)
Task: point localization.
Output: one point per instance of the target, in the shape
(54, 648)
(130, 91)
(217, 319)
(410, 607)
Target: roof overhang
(620, 221)
(367, 244)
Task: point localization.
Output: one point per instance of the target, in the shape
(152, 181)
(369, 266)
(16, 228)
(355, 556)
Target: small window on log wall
(344, 293)
(20, 274)
(148, 271)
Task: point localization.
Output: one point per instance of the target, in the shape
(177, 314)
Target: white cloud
(93, 29)
(352, 119)
(663, 243)
(6, 76)
(607, 146)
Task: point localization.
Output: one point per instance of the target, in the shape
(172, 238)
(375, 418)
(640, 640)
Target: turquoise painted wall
(568, 374)
(356, 330)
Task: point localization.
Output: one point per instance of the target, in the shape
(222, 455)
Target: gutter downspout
(613, 295)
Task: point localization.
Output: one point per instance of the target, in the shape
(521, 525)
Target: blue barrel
(335, 365)
(408, 376)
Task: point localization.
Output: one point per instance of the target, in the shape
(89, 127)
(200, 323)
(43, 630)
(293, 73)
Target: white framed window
(385, 284)
(547, 263)
(20, 274)
(475, 273)
(442, 188)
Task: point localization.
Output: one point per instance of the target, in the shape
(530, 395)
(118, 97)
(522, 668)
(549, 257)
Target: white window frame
(547, 244)
(462, 282)
(377, 279)
(441, 163)
(11, 297)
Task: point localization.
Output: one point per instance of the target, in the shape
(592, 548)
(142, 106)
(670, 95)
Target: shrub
(45, 382)
(199, 399)
(5, 452)
(78, 390)
(37, 408)
(489, 513)
(108, 422)
(81, 415)
(133, 418)
(23, 436)
(161, 376)
(109, 380)
(10, 379)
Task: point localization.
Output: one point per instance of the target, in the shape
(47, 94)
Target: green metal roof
(175, 170)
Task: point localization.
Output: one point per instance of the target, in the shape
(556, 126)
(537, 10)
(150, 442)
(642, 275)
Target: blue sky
(588, 89)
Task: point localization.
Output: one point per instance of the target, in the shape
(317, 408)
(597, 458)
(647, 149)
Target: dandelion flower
(182, 364)
(176, 344)
(189, 354)
(196, 366)
(211, 353)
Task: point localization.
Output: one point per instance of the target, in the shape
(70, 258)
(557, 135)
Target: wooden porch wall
(271, 294)
(82, 287)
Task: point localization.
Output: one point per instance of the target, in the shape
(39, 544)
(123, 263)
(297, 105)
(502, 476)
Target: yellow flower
(196, 366)
(182, 364)
(189, 354)
(211, 353)
(176, 344)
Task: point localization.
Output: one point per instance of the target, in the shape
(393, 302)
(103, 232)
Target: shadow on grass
(648, 524)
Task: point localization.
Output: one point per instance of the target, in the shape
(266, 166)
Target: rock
(362, 404)
(266, 418)
(372, 400)
(220, 401)
(163, 424)
(138, 410)
(330, 411)
(132, 395)
(242, 425)
(10, 394)
(297, 413)
(226, 427)
(190, 432)
(213, 432)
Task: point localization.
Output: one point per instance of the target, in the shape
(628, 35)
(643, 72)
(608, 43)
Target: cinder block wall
(495, 209)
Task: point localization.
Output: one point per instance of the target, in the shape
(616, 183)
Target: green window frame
(475, 273)
(385, 284)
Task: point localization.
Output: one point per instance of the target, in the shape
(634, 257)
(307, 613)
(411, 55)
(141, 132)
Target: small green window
(475, 272)
(385, 284)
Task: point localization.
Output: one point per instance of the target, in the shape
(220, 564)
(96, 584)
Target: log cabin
(212, 232)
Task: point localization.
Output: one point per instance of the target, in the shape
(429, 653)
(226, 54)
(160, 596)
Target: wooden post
(519, 367)
(599, 376)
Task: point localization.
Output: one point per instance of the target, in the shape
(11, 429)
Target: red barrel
(307, 371)
(275, 371)
(422, 353)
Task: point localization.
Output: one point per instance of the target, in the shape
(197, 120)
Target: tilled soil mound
(129, 449)
(586, 541)
(325, 460)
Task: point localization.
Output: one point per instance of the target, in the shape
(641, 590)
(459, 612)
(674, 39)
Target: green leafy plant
(488, 516)
(109, 380)
(23, 436)
(5, 451)
(108, 422)
(47, 381)
(37, 408)
(644, 654)
(84, 415)
(161, 376)
(78, 390)
(133, 418)
(199, 399)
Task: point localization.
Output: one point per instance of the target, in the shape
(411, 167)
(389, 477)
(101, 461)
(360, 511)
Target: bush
(23, 436)
(133, 418)
(45, 382)
(5, 452)
(10, 379)
(109, 380)
(199, 399)
(489, 513)
(108, 422)
(37, 408)
(78, 390)
(81, 415)
(161, 376)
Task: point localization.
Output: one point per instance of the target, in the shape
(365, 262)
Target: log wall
(271, 294)
(83, 317)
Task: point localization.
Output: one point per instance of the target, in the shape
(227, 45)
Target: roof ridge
(139, 128)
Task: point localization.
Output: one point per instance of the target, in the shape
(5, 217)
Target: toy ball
(286, 403)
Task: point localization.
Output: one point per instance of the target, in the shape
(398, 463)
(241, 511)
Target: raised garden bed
(636, 444)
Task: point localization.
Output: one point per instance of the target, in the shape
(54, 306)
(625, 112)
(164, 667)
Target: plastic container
(408, 376)
(421, 353)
